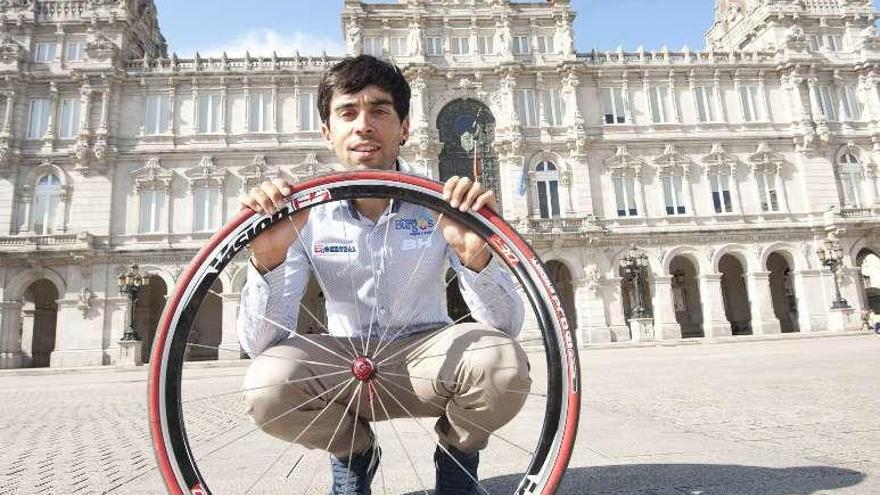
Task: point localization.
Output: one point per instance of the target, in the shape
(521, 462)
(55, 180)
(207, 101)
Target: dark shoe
(451, 478)
(353, 477)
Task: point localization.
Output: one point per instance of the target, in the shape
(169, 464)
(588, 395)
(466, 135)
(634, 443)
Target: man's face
(363, 129)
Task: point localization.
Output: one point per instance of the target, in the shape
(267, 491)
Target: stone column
(803, 281)
(7, 113)
(195, 121)
(273, 118)
(229, 345)
(49, 138)
(296, 92)
(172, 108)
(28, 312)
(612, 296)
(764, 321)
(590, 306)
(665, 325)
(85, 121)
(10, 334)
(223, 98)
(719, 100)
(246, 87)
(715, 322)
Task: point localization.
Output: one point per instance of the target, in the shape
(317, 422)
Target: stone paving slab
(760, 417)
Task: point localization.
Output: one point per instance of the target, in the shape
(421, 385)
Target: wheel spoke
(261, 387)
(413, 313)
(276, 418)
(492, 433)
(357, 415)
(431, 436)
(303, 336)
(384, 345)
(452, 382)
(378, 276)
(317, 275)
(411, 277)
(400, 441)
(267, 354)
(354, 291)
(371, 391)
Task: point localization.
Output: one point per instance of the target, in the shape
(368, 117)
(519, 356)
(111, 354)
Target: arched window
(47, 196)
(547, 181)
(850, 174)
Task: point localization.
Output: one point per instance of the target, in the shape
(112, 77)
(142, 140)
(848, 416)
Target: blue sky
(313, 25)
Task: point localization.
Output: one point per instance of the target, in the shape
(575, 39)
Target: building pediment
(206, 174)
(624, 163)
(671, 162)
(258, 172)
(152, 176)
(765, 159)
(719, 161)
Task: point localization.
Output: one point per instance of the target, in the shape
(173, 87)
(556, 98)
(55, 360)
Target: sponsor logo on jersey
(422, 224)
(322, 248)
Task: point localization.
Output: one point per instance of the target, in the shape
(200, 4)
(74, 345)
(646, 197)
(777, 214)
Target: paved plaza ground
(798, 416)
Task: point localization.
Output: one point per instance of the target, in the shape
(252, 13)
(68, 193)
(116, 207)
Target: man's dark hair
(353, 74)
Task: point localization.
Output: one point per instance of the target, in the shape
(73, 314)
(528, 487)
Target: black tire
(174, 454)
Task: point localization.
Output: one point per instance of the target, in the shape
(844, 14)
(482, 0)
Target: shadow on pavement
(705, 479)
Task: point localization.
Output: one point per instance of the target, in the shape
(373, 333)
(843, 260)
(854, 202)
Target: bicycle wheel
(202, 447)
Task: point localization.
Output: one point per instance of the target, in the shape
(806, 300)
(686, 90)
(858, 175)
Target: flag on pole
(476, 164)
(523, 178)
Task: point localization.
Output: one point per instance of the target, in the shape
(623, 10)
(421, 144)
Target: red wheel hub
(363, 368)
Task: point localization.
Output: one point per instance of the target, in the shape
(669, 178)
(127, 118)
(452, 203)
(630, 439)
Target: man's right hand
(270, 248)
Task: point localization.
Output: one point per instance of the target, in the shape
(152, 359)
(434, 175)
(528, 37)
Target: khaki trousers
(472, 377)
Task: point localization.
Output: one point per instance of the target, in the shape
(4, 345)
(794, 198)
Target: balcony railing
(31, 242)
(860, 212)
(558, 226)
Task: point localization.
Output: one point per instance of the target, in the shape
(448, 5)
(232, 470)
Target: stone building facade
(725, 166)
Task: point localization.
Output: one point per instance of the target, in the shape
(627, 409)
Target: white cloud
(262, 42)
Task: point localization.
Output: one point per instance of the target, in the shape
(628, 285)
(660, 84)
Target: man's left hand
(464, 194)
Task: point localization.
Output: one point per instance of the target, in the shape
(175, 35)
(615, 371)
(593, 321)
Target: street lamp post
(634, 265)
(131, 282)
(831, 256)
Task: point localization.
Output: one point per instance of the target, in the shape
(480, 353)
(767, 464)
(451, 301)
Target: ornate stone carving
(414, 39)
(353, 36)
(624, 164)
(503, 37)
(100, 42)
(719, 161)
(577, 136)
(206, 174)
(671, 162)
(85, 301)
(765, 160)
(564, 35)
(81, 154)
(152, 176)
(100, 147)
(257, 172)
(11, 50)
(4, 150)
(592, 278)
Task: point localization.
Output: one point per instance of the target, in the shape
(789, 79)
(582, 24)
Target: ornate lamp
(131, 282)
(831, 256)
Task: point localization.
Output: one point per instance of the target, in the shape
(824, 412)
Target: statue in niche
(416, 48)
(565, 37)
(679, 292)
(503, 38)
(353, 35)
